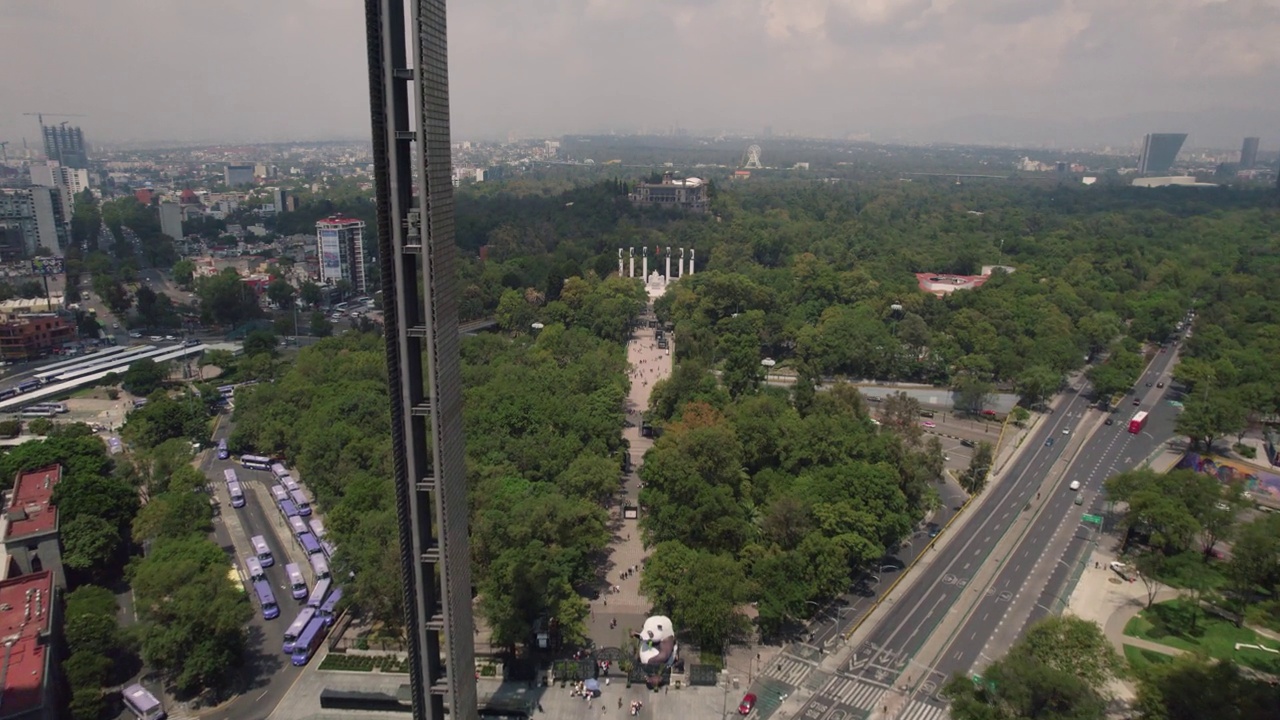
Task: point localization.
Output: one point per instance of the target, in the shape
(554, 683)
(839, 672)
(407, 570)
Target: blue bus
(255, 462)
(297, 583)
(329, 609)
(279, 493)
(301, 502)
(317, 527)
(308, 642)
(227, 391)
(236, 493)
(230, 475)
(7, 393)
(290, 484)
(263, 551)
(296, 627)
(267, 599)
(279, 471)
(319, 592)
(28, 385)
(297, 525)
(310, 545)
(320, 567)
(328, 548)
(223, 452)
(254, 568)
(287, 509)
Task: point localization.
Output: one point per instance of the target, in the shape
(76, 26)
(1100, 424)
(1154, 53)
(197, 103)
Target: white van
(1075, 485)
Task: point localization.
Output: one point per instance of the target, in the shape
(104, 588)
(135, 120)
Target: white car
(1075, 485)
(1066, 431)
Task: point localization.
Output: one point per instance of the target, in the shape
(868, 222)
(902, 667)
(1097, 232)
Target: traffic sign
(1095, 519)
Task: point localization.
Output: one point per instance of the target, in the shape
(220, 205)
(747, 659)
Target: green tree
(225, 299)
(260, 342)
(974, 479)
(1255, 563)
(741, 372)
(1036, 384)
(1192, 687)
(145, 376)
(320, 325)
(590, 476)
(280, 292)
(1207, 419)
(193, 617)
(89, 546)
(514, 313)
(173, 514)
(310, 293)
(184, 273)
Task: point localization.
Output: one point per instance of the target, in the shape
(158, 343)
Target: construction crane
(4, 151)
(40, 115)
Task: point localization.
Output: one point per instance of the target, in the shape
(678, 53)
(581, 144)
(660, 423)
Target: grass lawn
(1140, 658)
(1169, 623)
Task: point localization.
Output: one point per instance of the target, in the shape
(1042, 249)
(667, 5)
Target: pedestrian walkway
(788, 669)
(858, 693)
(621, 608)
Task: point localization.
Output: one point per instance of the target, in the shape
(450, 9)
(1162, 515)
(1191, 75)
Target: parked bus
(320, 567)
(142, 703)
(301, 501)
(308, 642)
(329, 609)
(263, 550)
(297, 583)
(230, 475)
(28, 385)
(296, 627)
(139, 403)
(319, 592)
(223, 452)
(255, 462)
(279, 493)
(287, 509)
(1138, 422)
(279, 471)
(317, 527)
(328, 549)
(33, 414)
(7, 393)
(227, 391)
(298, 526)
(53, 407)
(290, 484)
(267, 599)
(236, 493)
(310, 545)
(254, 568)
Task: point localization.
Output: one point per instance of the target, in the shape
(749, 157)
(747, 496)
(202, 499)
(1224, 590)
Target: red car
(748, 703)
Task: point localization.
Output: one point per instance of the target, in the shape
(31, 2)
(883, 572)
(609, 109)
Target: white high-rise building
(340, 249)
(69, 181)
(171, 220)
(31, 219)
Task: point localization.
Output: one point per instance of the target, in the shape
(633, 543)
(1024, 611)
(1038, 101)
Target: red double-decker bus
(1138, 422)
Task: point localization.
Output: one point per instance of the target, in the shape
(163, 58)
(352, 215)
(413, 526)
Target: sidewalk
(627, 606)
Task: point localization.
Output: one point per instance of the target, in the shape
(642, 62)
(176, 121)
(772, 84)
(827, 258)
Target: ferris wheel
(751, 160)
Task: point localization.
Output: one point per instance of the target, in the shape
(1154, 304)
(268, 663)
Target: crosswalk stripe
(917, 710)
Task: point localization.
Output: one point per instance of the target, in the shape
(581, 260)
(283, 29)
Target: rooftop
(25, 602)
(29, 510)
(338, 220)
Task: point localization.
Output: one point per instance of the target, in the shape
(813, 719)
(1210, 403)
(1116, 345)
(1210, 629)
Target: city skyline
(1086, 72)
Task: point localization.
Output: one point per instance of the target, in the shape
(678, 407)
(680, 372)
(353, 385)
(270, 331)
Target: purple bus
(267, 599)
(309, 641)
(296, 627)
(297, 583)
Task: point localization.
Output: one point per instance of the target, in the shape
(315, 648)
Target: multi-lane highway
(1033, 580)
(887, 654)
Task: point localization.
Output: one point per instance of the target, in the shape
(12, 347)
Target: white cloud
(244, 69)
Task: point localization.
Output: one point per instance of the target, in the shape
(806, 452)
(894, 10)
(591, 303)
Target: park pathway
(627, 606)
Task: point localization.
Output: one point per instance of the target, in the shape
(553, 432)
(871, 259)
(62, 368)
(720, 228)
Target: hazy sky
(1062, 71)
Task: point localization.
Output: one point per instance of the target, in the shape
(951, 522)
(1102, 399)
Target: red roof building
(31, 528)
(942, 284)
(27, 607)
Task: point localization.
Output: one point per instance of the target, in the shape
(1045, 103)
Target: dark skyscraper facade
(65, 144)
(1249, 153)
(409, 102)
(1159, 150)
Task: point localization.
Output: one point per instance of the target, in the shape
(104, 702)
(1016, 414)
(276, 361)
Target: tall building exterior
(31, 218)
(409, 113)
(64, 144)
(171, 220)
(30, 337)
(238, 175)
(69, 181)
(1159, 150)
(340, 250)
(30, 622)
(1249, 153)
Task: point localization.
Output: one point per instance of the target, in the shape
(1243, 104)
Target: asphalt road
(1110, 450)
(269, 674)
(888, 652)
